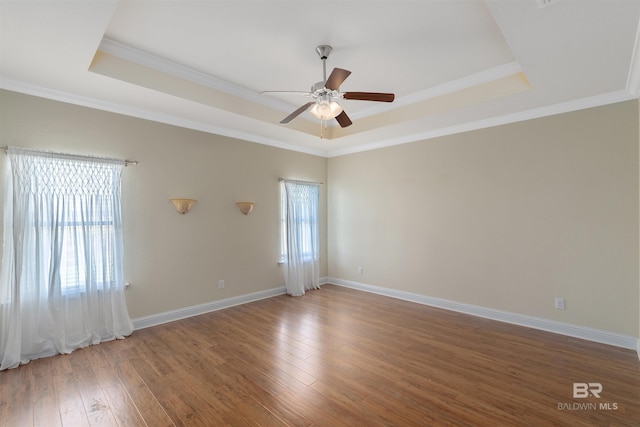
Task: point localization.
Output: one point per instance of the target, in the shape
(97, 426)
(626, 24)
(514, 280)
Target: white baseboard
(582, 332)
(183, 313)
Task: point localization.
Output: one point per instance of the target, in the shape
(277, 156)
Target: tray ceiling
(454, 66)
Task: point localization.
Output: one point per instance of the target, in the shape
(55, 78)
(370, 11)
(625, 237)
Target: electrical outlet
(559, 303)
(360, 271)
(220, 284)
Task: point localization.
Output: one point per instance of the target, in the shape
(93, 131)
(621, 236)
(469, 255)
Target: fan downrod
(323, 52)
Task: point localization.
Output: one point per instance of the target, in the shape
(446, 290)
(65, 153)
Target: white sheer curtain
(300, 236)
(62, 285)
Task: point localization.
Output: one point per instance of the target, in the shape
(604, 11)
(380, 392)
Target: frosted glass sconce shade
(183, 205)
(245, 207)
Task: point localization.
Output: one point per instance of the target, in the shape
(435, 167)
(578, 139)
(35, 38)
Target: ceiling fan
(326, 92)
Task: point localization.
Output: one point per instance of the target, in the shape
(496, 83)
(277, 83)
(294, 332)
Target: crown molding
(565, 107)
(466, 82)
(535, 113)
(633, 78)
(112, 107)
(166, 66)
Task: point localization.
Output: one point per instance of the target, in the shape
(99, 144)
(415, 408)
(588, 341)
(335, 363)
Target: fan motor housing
(318, 90)
(317, 87)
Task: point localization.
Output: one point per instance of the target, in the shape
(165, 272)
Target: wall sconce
(245, 207)
(183, 205)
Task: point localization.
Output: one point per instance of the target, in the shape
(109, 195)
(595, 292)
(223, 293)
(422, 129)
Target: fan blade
(369, 96)
(343, 119)
(297, 112)
(285, 92)
(338, 75)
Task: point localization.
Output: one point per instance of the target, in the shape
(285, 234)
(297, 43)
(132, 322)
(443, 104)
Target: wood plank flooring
(334, 357)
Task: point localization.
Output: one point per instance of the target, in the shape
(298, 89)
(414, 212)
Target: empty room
(358, 213)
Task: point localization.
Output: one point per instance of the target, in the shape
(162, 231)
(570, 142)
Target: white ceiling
(453, 65)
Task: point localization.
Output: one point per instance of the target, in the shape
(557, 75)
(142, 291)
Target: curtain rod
(126, 162)
(300, 182)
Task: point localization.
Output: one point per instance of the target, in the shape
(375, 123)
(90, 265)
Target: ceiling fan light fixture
(323, 107)
(326, 110)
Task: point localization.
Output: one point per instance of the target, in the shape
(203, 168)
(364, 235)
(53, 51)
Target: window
(62, 284)
(87, 252)
(300, 207)
(299, 235)
(80, 218)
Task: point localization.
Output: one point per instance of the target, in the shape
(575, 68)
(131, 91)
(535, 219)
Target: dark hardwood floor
(333, 357)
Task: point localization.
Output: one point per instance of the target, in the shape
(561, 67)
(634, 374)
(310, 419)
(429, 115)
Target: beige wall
(175, 261)
(506, 218)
